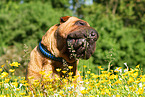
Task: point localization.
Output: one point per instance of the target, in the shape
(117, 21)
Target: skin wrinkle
(55, 41)
(82, 51)
(68, 25)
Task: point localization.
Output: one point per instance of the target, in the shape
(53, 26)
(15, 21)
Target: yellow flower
(64, 72)
(84, 66)
(7, 80)
(70, 67)
(51, 89)
(47, 76)
(83, 92)
(57, 78)
(136, 70)
(12, 70)
(36, 81)
(137, 82)
(79, 72)
(88, 72)
(118, 82)
(26, 84)
(4, 74)
(89, 89)
(70, 73)
(113, 76)
(3, 65)
(70, 77)
(51, 80)
(95, 76)
(143, 85)
(119, 68)
(65, 80)
(18, 89)
(135, 74)
(140, 91)
(1, 83)
(107, 91)
(97, 84)
(102, 92)
(41, 94)
(50, 72)
(61, 93)
(99, 67)
(118, 95)
(130, 79)
(1, 69)
(22, 94)
(104, 72)
(92, 96)
(30, 93)
(142, 79)
(35, 84)
(31, 77)
(15, 84)
(137, 66)
(92, 74)
(70, 92)
(58, 70)
(42, 72)
(16, 64)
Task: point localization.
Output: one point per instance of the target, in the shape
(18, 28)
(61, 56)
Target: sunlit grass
(115, 83)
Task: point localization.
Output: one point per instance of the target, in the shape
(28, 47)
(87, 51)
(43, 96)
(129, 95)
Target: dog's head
(70, 39)
(76, 38)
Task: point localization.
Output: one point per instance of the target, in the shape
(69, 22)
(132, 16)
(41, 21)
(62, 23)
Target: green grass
(118, 83)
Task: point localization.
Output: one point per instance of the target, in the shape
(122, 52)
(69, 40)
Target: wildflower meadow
(129, 82)
(121, 28)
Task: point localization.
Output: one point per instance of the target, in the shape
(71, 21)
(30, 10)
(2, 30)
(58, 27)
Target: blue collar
(47, 53)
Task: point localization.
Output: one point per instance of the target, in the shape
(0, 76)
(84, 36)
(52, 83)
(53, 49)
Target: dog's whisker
(71, 50)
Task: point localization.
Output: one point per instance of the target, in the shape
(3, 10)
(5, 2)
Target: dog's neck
(48, 54)
(58, 62)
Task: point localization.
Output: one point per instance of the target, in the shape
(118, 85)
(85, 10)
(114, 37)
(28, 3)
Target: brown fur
(55, 42)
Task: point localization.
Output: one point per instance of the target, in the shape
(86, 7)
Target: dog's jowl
(63, 43)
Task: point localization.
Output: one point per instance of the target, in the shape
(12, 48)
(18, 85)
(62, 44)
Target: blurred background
(120, 23)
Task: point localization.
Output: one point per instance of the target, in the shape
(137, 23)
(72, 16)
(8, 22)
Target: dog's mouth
(82, 43)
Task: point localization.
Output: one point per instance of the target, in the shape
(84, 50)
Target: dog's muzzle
(82, 42)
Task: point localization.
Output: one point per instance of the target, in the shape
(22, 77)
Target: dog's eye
(80, 23)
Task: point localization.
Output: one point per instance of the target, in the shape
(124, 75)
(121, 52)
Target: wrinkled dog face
(81, 39)
(82, 42)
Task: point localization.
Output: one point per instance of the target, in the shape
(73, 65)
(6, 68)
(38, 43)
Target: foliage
(119, 23)
(26, 23)
(60, 4)
(128, 43)
(124, 83)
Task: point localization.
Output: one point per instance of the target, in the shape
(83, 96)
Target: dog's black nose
(92, 35)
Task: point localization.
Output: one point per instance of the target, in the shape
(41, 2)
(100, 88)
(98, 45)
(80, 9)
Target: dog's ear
(64, 19)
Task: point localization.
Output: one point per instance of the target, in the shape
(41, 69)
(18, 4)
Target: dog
(62, 46)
